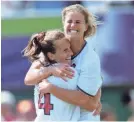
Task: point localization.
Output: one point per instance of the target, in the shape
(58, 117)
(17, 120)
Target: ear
(51, 56)
(86, 27)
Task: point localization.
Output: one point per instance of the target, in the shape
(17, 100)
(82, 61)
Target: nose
(73, 24)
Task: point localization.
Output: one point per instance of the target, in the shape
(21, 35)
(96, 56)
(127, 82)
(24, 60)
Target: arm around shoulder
(35, 73)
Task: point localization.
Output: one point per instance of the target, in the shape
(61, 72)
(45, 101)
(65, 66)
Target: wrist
(51, 87)
(42, 70)
(49, 70)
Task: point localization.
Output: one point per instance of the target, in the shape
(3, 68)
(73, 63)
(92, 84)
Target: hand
(62, 70)
(44, 87)
(98, 109)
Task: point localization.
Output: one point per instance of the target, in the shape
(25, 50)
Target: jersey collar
(79, 51)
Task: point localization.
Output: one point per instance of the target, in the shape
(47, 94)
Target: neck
(77, 45)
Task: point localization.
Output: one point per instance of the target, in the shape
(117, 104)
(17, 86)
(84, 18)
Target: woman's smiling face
(74, 25)
(63, 52)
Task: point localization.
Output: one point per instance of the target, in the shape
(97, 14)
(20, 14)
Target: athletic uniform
(50, 108)
(89, 81)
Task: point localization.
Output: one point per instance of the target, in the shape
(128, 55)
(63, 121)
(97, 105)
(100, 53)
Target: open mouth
(73, 31)
(69, 58)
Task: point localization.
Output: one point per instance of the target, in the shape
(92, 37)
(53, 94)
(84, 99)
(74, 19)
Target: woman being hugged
(54, 48)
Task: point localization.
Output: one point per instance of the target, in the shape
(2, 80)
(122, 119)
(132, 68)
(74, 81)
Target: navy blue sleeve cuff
(84, 91)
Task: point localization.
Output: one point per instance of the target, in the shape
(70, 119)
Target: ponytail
(42, 43)
(33, 49)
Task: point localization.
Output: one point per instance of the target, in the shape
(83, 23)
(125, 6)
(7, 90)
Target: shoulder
(90, 58)
(36, 64)
(89, 51)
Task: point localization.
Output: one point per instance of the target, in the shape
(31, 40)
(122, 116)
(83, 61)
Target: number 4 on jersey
(47, 106)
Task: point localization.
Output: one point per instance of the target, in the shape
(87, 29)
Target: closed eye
(69, 21)
(78, 22)
(65, 50)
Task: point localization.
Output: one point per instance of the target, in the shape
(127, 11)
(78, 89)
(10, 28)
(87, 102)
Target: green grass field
(18, 27)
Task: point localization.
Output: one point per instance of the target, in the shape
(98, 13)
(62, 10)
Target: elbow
(30, 81)
(27, 81)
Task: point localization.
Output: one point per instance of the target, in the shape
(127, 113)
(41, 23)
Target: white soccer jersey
(89, 81)
(53, 109)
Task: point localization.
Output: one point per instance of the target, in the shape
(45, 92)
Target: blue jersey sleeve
(90, 76)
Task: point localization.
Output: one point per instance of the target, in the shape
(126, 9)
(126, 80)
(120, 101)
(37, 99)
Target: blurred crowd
(24, 110)
(12, 9)
(128, 100)
(13, 110)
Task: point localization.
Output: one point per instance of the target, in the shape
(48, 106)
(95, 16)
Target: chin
(73, 36)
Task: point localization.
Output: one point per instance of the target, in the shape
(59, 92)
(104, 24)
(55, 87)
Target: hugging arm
(89, 88)
(77, 97)
(37, 72)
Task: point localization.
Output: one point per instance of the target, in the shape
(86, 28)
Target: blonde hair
(89, 18)
(42, 42)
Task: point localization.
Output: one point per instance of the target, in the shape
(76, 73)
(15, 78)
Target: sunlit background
(114, 43)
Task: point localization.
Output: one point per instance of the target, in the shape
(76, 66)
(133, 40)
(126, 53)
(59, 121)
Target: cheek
(60, 57)
(63, 56)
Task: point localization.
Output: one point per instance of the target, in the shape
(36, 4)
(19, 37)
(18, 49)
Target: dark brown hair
(42, 42)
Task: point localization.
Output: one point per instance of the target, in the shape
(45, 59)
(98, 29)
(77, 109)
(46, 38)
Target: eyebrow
(76, 20)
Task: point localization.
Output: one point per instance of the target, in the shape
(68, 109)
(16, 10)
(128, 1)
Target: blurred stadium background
(114, 42)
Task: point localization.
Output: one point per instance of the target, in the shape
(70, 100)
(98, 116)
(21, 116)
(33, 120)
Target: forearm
(75, 97)
(34, 76)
